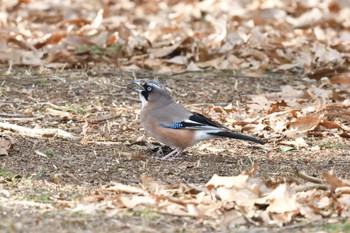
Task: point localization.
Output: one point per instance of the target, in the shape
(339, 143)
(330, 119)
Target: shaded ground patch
(41, 177)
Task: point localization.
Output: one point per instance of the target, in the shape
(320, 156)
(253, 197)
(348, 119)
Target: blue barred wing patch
(174, 125)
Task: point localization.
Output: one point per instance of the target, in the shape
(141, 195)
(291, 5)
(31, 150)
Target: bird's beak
(138, 83)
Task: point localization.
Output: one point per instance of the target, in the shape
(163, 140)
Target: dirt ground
(41, 176)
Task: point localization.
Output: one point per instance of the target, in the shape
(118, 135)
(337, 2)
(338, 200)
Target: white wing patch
(200, 126)
(203, 135)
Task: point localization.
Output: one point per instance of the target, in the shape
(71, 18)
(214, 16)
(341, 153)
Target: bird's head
(152, 92)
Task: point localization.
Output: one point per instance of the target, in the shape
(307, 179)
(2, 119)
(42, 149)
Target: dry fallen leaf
(334, 181)
(228, 182)
(304, 124)
(282, 200)
(341, 79)
(122, 188)
(6, 143)
(236, 200)
(151, 185)
(134, 201)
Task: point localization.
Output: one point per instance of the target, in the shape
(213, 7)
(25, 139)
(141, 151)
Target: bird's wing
(195, 121)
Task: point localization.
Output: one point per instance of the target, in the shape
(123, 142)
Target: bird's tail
(236, 136)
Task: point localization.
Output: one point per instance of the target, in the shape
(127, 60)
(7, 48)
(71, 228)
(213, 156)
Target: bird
(173, 125)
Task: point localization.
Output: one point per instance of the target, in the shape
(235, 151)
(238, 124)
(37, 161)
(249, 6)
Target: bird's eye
(149, 88)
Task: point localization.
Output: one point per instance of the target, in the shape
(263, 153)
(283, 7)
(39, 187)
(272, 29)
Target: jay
(174, 125)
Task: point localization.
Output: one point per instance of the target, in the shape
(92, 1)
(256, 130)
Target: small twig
(307, 177)
(176, 215)
(306, 187)
(13, 102)
(38, 132)
(269, 88)
(17, 119)
(4, 114)
(103, 118)
(41, 153)
(102, 143)
(54, 106)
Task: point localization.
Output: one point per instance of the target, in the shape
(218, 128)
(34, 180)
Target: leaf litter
(112, 153)
(292, 115)
(174, 36)
(231, 201)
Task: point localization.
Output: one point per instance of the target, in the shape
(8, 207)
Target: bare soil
(115, 148)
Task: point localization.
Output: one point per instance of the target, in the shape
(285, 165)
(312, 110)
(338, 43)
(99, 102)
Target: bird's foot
(172, 156)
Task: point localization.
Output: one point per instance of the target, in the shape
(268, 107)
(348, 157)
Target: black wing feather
(197, 117)
(196, 120)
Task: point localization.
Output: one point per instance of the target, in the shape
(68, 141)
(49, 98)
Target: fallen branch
(38, 132)
(307, 177)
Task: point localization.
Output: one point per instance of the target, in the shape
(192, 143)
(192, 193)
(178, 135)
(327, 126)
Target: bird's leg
(175, 152)
(179, 152)
(166, 157)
